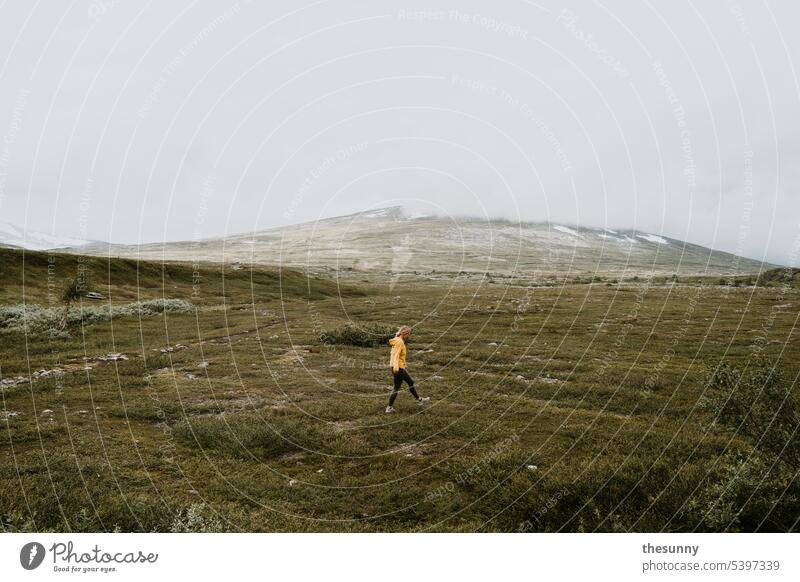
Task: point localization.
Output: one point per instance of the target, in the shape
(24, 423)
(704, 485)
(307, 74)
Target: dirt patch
(294, 356)
(410, 449)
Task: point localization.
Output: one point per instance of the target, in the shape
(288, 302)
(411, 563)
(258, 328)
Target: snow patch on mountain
(567, 230)
(13, 236)
(376, 213)
(653, 238)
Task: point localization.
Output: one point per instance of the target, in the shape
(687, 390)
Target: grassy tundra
(584, 405)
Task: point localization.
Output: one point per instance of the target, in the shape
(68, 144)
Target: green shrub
(783, 276)
(760, 405)
(759, 491)
(196, 519)
(35, 319)
(752, 493)
(366, 335)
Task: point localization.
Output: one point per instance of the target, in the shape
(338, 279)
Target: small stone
(532, 467)
(47, 373)
(11, 382)
(292, 482)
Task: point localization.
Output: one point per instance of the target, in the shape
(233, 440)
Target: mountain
(394, 241)
(14, 237)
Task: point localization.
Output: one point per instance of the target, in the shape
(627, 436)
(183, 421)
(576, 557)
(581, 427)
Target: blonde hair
(403, 329)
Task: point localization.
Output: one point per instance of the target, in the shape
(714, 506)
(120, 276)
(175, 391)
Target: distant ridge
(393, 240)
(12, 236)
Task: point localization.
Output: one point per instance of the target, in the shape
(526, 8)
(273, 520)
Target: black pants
(399, 376)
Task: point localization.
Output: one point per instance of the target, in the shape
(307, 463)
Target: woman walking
(397, 361)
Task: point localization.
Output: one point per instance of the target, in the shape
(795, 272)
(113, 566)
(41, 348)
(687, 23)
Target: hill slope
(395, 242)
(38, 277)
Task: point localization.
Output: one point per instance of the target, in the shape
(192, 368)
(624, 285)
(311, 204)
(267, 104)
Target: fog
(137, 122)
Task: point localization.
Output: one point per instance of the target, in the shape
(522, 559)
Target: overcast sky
(135, 121)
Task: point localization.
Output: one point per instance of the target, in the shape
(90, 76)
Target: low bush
(197, 518)
(752, 493)
(760, 404)
(758, 491)
(366, 335)
(35, 319)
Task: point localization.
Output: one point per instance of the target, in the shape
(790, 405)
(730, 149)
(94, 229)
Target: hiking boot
(390, 409)
(423, 400)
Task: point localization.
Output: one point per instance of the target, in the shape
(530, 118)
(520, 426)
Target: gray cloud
(130, 123)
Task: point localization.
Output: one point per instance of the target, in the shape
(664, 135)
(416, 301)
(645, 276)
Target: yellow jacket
(397, 359)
